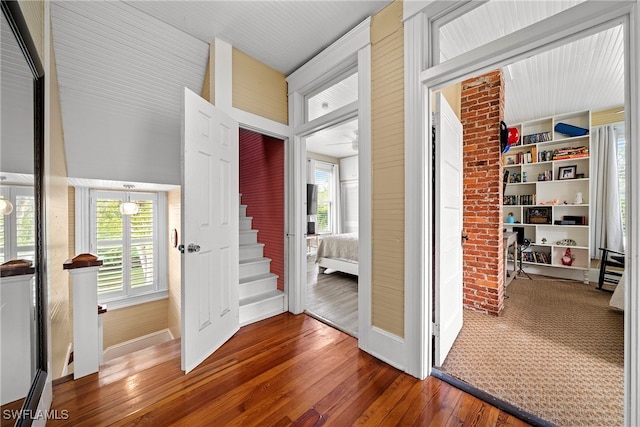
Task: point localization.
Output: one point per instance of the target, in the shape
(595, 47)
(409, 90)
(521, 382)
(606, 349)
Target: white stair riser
(248, 237)
(253, 251)
(243, 211)
(261, 310)
(254, 268)
(258, 287)
(245, 224)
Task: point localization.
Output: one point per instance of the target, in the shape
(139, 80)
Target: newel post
(16, 319)
(87, 333)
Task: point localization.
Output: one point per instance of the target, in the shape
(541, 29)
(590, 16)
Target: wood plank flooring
(284, 371)
(333, 297)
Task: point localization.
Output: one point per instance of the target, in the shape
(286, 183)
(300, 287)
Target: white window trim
(84, 218)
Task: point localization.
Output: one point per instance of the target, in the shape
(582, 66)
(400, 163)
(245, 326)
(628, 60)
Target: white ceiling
(122, 66)
(585, 75)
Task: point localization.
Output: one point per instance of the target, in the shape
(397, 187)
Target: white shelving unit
(548, 191)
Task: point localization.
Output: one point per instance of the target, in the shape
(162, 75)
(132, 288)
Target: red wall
(481, 111)
(262, 186)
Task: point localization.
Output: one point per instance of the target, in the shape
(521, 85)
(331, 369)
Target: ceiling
(122, 66)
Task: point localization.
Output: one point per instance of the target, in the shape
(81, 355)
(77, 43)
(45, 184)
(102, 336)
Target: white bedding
(343, 246)
(617, 299)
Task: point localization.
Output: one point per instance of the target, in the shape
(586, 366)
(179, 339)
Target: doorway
(442, 75)
(333, 225)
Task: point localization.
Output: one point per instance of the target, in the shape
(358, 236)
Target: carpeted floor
(557, 351)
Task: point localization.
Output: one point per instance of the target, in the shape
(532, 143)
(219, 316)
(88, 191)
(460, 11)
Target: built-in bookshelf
(547, 190)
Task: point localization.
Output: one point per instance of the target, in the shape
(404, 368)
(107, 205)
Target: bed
(338, 252)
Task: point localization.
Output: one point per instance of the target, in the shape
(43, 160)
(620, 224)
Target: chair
(611, 268)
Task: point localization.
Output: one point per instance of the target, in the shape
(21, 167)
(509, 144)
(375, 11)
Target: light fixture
(129, 207)
(6, 207)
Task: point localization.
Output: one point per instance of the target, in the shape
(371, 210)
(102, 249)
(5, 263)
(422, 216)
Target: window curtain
(604, 200)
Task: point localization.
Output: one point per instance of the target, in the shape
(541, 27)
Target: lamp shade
(6, 207)
(129, 208)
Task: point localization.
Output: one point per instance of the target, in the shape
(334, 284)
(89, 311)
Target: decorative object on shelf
(567, 172)
(578, 199)
(567, 258)
(570, 130)
(510, 218)
(524, 177)
(514, 136)
(566, 242)
(579, 176)
(538, 215)
(504, 138)
(544, 240)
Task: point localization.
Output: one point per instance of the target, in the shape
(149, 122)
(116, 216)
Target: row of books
(570, 153)
(536, 138)
(520, 158)
(539, 257)
(523, 199)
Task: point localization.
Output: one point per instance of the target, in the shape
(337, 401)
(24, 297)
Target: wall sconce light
(129, 207)
(6, 207)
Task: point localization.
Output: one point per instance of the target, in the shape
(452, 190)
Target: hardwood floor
(333, 298)
(284, 371)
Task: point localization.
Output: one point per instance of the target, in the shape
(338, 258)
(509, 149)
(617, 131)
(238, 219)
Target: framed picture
(567, 172)
(510, 159)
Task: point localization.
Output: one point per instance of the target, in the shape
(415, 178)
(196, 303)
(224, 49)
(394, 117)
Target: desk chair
(608, 275)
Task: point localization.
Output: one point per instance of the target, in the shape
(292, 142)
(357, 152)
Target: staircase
(259, 294)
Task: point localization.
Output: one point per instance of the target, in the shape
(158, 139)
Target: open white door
(210, 212)
(448, 229)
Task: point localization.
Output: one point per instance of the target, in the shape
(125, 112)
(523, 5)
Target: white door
(448, 229)
(210, 212)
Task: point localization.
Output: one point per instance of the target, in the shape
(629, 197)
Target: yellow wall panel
(387, 143)
(606, 117)
(258, 88)
(124, 324)
(175, 264)
(57, 225)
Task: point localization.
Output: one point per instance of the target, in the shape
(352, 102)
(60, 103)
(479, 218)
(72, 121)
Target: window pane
(334, 97)
(2, 239)
(109, 245)
(110, 275)
(25, 227)
(108, 219)
(142, 245)
(324, 179)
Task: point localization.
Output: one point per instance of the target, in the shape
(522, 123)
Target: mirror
(22, 334)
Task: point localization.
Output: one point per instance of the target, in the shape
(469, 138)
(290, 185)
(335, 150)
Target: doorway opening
(536, 312)
(332, 230)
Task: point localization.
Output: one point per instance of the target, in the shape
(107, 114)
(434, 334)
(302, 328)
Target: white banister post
(16, 318)
(86, 332)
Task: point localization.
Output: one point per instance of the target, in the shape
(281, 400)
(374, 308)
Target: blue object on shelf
(570, 130)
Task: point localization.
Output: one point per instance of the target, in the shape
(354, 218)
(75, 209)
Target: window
(621, 161)
(18, 229)
(127, 244)
(338, 95)
(324, 176)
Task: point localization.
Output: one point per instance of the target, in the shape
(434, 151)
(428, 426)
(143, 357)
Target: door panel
(210, 212)
(448, 285)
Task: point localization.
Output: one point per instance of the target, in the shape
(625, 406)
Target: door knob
(193, 248)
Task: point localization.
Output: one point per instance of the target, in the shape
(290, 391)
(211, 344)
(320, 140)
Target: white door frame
(221, 59)
(352, 50)
(423, 77)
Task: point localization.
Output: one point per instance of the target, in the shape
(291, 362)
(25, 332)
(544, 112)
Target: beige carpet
(556, 352)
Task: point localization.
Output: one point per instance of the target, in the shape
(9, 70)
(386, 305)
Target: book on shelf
(536, 138)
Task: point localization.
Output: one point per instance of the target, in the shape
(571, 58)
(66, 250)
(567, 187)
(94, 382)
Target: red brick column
(482, 108)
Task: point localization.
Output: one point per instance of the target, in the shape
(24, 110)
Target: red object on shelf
(514, 136)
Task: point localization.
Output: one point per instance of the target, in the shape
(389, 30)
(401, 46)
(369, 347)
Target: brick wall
(481, 111)
(262, 186)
